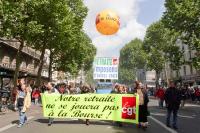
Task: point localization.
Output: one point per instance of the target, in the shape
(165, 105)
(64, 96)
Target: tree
(132, 57)
(17, 25)
(56, 20)
(53, 25)
(160, 45)
(81, 56)
(62, 23)
(183, 17)
(156, 61)
(89, 77)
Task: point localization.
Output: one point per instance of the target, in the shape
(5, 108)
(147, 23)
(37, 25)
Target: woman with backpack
(23, 102)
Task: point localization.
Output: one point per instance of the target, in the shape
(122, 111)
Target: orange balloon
(107, 22)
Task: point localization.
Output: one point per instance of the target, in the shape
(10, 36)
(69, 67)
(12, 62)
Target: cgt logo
(129, 107)
(129, 111)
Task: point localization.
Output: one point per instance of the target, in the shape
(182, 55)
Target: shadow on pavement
(125, 128)
(74, 122)
(15, 122)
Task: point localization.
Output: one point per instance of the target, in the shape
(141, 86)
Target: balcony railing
(22, 68)
(26, 49)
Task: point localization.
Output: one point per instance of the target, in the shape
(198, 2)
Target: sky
(135, 17)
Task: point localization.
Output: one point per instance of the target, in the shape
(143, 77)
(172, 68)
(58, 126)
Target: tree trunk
(1, 82)
(50, 66)
(39, 74)
(157, 78)
(18, 62)
(166, 74)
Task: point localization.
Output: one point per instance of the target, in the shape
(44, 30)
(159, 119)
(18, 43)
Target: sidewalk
(188, 101)
(11, 117)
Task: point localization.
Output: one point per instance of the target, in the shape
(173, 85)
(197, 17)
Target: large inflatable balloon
(107, 22)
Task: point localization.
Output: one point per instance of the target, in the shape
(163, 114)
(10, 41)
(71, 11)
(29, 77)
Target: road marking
(162, 125)
(74, 119)
(183, 116)
(192, 105)
(12, 125)
(158, 114)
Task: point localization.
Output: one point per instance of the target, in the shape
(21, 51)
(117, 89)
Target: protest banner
(116, 107)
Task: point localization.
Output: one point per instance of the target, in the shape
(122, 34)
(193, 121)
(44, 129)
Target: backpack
(20, 102)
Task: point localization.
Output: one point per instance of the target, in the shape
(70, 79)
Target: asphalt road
(189, 122)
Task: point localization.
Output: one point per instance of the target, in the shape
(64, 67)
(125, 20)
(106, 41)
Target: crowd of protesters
(67, 89)
(188, 93)
(23, 94)
(173, 97)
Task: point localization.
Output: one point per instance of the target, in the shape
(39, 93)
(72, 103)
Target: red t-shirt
(197, 92)
(36, 94)
(160, 93)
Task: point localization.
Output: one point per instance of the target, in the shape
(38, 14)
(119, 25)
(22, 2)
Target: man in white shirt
(50, 90)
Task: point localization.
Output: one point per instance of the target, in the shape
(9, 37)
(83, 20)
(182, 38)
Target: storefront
(191, 80)
(6, 77)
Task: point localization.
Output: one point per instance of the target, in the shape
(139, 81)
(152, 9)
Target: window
(183, 48)
(191, 69)
(184, 70)
(190, 55)
(177, 73)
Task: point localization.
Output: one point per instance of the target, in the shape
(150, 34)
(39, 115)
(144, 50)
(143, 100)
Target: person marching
(36, 95)
(160, 93)
(143, 102)
(84, 90)
(120, 90)
(23, 102)
(51, 90)
(172, 100)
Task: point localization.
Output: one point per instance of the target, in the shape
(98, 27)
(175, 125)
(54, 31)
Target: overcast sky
(135, 16)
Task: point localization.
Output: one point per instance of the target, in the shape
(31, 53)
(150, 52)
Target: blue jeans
(22, 116)
(169, 112)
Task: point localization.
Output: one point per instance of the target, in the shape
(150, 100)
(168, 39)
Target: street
(188, 121)
(93, 64)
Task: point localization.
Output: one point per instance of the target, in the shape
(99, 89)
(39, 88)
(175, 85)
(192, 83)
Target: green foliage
(160, 44)
(132, 57)
(15, 20)
(89, 77)
(49, 24)
(81, 56)
(183, 17)
(126, 76)
(155, 60)
(155, 37)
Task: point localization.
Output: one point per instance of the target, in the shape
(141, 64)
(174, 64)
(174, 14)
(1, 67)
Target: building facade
(148, 78)
(29, 63)
(187, 74)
